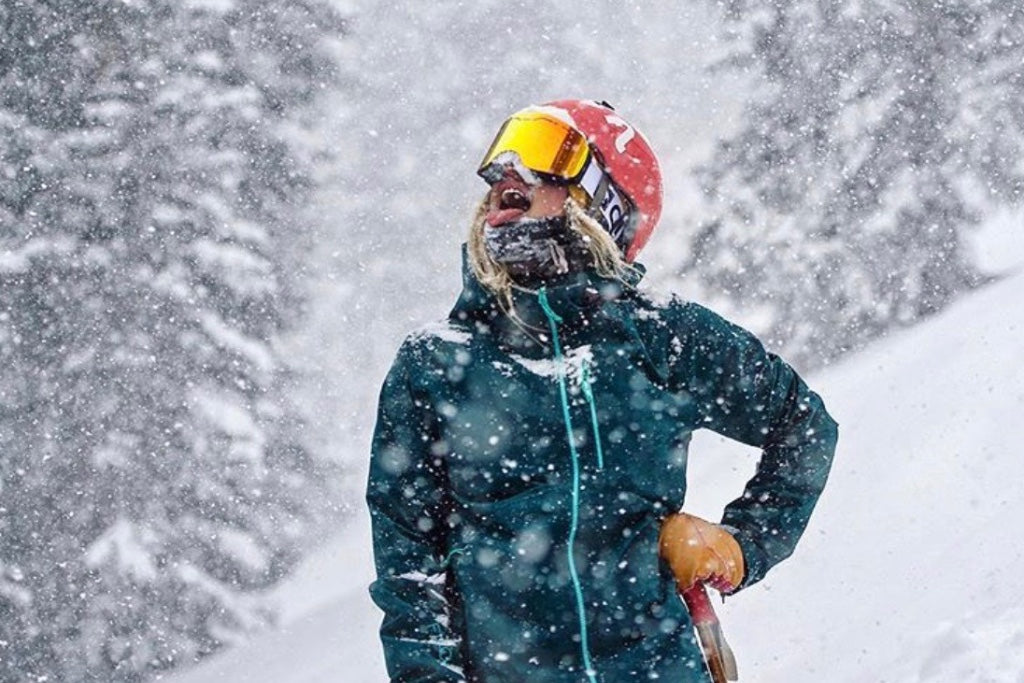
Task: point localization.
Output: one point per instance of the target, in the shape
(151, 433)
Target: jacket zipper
(553, 319)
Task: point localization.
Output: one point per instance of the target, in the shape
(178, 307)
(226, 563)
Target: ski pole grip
(717, 654)
(699, 605)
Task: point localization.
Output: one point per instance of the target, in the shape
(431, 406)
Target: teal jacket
(508, 551)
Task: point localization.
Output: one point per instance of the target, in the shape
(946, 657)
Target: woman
(529, 460)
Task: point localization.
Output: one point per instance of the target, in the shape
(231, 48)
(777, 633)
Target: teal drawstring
(585, 382)
(451, 555)
(553, 318)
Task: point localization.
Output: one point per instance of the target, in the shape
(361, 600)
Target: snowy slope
(329, 625)
(910, 570)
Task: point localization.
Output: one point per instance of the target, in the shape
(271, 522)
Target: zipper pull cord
(553, 318)
(585, 381)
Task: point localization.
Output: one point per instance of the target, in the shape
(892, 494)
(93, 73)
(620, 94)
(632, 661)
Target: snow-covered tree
(877, 134)
(154, 160)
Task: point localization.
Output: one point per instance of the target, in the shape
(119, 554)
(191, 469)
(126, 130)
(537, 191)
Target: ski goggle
(533, 141)
(542, 143)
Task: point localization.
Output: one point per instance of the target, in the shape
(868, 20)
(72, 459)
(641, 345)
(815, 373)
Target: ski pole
(717, 653)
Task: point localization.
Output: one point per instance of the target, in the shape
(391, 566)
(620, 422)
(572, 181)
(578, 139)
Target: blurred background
(218, 219)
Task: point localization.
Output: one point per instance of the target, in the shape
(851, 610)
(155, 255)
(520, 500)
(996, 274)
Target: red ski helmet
(625, 163)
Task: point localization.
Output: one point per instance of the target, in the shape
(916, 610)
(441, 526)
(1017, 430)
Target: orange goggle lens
(543, 143)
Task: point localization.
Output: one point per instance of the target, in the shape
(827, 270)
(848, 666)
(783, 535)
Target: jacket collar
(574, 297)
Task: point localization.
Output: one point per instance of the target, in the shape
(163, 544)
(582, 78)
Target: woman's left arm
(745, 393)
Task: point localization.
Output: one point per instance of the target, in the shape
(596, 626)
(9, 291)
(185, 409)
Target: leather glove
(701, 552)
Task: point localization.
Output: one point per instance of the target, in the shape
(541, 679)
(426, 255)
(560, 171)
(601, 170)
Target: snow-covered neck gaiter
(537, 249)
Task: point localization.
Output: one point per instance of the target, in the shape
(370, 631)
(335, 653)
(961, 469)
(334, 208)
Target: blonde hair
(608, 260)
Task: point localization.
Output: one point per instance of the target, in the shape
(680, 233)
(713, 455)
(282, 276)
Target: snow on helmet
(626, 156)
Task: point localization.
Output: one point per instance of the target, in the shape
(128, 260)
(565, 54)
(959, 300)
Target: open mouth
(513, 198)
(510, 199)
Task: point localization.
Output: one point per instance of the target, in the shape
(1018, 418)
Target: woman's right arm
(406, 495)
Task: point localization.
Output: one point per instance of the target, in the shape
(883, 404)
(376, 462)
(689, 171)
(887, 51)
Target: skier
(529, 460)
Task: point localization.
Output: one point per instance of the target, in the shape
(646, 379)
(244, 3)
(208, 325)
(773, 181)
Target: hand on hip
(701, 552)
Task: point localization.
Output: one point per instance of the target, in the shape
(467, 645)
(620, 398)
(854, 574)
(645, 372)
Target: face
(512, 198)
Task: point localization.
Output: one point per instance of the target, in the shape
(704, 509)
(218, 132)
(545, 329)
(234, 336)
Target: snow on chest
(573, 364)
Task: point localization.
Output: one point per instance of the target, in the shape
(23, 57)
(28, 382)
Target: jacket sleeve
(745, 393)
(406, 495)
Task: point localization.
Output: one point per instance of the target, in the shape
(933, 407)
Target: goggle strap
(602, 191)
(605, 201)
(617, 215)
(591, 181)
